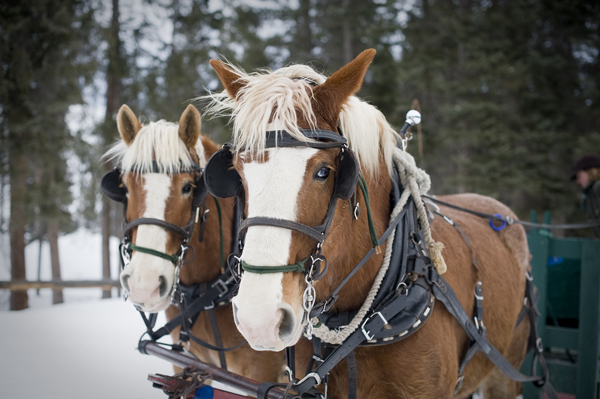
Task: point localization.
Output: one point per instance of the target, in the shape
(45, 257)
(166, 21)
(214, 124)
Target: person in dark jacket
(586, 172)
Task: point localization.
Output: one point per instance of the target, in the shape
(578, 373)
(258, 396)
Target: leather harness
(404, 302)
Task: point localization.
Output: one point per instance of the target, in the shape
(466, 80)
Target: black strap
(219, 343)
(328, 302)
(290, 358)
(281, 138)
(509, 220)
(444, 293)
(352, 375)
(315, 234)
(184, 232)
(371, 326)
(218, 290)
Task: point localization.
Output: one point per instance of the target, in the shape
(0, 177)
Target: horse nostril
(162, 288)
(286, 328)
(124, 282)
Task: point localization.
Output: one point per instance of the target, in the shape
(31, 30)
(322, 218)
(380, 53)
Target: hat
(584, 163)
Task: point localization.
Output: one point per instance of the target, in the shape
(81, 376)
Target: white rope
(416, 182)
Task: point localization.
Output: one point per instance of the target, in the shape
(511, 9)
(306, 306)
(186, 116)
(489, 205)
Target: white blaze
(145, 269)
(273, 189)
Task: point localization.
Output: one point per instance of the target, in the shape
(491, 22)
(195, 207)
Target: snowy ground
(78, 350)
(84, 348)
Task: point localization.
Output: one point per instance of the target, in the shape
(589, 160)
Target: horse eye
(187, 188)
(322, 174)
(125, 188)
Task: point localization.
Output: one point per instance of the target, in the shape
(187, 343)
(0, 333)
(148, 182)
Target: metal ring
(502, 226)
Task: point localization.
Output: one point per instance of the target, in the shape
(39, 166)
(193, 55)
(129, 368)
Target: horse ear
(128, 124)
(228, 77)
(342, 84)
(189, 126)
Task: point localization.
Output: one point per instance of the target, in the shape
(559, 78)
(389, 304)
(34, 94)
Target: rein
(509, 220)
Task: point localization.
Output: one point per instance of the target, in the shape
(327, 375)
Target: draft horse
(176, 236)
(298, 148)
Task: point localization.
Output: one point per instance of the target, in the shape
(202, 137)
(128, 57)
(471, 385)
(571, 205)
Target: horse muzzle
(264, 329)
(149, 290)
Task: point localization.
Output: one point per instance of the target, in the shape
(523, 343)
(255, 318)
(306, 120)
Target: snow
(84, 348)
(80, 259)
(76, 350)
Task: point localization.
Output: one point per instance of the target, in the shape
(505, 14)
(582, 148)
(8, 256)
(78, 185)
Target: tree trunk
(18, 188)
(113, 80)
(105, 243)
(53, 231)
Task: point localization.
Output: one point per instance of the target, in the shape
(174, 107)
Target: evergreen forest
(509, 91)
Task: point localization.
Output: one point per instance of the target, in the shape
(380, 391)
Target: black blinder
(222, 180)
(112, 186)
(347, 176)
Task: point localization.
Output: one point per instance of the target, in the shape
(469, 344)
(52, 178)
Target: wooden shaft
(228, 378)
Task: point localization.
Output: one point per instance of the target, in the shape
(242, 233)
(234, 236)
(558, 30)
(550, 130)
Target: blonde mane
(269, 100)
(155, 142)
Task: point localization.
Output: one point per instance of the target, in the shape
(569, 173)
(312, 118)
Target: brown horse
(296, 184)
(157, 161)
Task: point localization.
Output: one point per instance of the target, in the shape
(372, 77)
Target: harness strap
(296, 267)
(290, 359)
(184, 232)
(372, 232)
(352, 375)
(310, 232)
(217, 334)
(219, 289)
(281, 138)
(328, 302)
(187, 333)
(444, 293)
(371, 326)
(462, 233)
(172, 258)
(473, 348)
(509, 220)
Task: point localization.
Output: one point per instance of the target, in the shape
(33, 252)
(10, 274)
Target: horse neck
(205, 266)
(343, 257)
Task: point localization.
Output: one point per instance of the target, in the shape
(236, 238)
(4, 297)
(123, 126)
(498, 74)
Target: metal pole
(228, 378)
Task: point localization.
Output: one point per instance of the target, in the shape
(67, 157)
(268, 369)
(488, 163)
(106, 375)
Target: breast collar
(406, 260)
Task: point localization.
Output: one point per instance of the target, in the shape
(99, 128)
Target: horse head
(158, 171)
(294, 167)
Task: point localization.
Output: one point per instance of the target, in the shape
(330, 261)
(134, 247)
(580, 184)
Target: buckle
(221, 286)
(314, 375)
(368, 319)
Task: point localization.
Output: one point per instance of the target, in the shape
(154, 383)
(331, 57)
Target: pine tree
(501, 95)
(43, 54)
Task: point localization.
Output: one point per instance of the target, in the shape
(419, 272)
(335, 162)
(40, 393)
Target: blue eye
(322, 174)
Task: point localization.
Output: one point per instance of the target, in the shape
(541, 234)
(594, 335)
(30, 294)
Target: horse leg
(497, 385)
